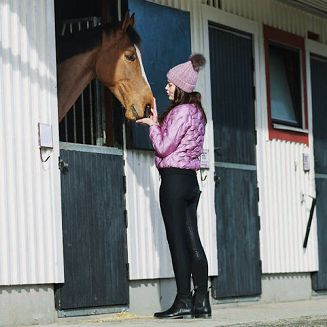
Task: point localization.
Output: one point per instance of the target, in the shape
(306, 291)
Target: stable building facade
(80, 219)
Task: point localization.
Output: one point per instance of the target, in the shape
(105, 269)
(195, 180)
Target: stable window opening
(96, 117)
(286, 86)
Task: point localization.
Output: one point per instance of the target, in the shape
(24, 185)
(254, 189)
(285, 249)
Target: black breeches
(179, 196)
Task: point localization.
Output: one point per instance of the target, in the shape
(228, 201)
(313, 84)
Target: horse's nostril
(147, 111)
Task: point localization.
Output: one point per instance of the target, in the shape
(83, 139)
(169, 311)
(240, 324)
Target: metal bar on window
(91, 113)
(63, 29)
(83, 117)
(103, 115)
(66, 129)
(98, 129)
(74, 123)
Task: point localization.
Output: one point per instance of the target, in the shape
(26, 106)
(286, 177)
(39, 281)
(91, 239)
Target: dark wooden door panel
(94, 231)
(319, 115)
(319, 279)
(231, 65)
(237, 232)
(236, 200)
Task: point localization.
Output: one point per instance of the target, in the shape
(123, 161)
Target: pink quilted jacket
(178, 140)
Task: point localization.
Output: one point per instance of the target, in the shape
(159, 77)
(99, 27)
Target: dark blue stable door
(236, 197)
(94, 230)
(319, 115)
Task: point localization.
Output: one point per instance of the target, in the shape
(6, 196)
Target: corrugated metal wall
(285, 189)
(276, 14)
(318, 7)
(30, 218)
(147, 246)
(285, 200)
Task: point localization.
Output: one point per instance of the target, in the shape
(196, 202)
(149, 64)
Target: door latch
(218, 150)
(63, 166)
(216, 178)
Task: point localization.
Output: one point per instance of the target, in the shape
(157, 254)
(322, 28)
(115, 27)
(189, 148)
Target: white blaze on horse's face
(138, 52)
(139, 101)
(123, 73)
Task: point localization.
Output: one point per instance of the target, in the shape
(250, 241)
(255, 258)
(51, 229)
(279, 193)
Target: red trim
(289, 39)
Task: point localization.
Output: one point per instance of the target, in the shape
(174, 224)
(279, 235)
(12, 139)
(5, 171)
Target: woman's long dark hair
(181, 97)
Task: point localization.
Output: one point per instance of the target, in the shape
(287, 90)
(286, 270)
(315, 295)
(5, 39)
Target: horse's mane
(70, 45)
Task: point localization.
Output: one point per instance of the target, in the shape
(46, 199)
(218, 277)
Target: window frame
(288, 40)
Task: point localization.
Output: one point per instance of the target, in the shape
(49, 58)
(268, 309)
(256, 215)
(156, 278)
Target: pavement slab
(294, 314)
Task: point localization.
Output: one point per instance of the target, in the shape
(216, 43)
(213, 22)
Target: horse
(112, 56)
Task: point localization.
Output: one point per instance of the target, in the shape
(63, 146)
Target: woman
(177, 138)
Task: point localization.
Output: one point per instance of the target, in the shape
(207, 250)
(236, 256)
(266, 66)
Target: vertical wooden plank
(319, 105)
(319, 279)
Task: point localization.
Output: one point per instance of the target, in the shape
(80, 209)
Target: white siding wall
(285, 190)
(276, 14)
(30, 217)
(147, 246)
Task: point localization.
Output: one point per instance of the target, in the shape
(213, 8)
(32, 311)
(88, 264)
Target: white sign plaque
(204, 159)
(45, 136)
(306, 162)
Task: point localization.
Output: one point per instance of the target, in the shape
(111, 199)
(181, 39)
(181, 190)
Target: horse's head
(119, 67)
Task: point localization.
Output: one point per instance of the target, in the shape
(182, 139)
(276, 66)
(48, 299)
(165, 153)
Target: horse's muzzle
(147, 111)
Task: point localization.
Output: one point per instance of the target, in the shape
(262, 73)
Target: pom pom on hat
(185, 75)
(198, 61)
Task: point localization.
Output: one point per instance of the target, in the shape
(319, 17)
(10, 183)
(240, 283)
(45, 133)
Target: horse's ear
(127, 21)
(132, 20)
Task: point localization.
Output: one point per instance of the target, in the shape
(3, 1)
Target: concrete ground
(295, 314)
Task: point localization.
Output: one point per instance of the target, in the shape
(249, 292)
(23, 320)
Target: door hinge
(253, 92)
(259, 223)
(62, 166)
(260, 266)
(258, 195)
(127, 270)
(125, 218)
(124, 184)
(253, 64)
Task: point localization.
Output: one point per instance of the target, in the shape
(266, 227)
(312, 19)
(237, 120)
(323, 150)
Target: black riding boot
(201, 304)
(182, 308)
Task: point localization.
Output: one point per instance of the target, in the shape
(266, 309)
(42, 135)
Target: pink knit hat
(185, 75)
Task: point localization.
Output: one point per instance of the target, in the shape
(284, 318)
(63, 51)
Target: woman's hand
(153, 119)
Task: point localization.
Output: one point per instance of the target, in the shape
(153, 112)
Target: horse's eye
(130, 57)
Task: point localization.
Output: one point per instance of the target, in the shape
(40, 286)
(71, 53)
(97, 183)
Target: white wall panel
(147, 245)
(30, 216)
(277, 14)
(148, 250)
(286, 193)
